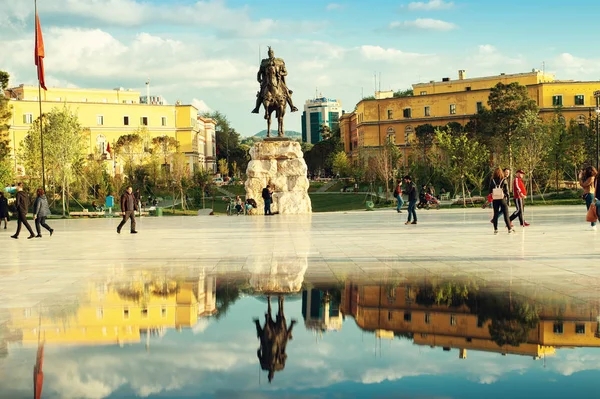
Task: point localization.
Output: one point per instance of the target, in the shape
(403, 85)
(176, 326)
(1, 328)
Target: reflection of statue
(274, 94)
(274, 336)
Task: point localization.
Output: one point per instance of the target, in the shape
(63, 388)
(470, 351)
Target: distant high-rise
(317, 112)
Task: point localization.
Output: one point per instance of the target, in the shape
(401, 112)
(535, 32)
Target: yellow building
(394, 309)
(111, 315)
(439, 103)
(109, 114)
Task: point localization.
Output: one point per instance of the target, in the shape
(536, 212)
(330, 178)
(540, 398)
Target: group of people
(500, 198)
(588, 180)
(411, 192)
(41, 210)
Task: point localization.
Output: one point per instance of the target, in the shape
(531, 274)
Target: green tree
(533, 146)
(340, 164)
(386, 163)
(508, 104)
(226, 136)
(165, 147)
(64, 150)
(403, 93)
(6, 167)
(557, 149)
(132, 149)
(223, 167)
(461, 156)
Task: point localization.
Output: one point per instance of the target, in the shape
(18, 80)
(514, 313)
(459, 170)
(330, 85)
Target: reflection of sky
(217, 359)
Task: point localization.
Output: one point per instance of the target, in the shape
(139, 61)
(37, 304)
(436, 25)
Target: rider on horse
(273, 68)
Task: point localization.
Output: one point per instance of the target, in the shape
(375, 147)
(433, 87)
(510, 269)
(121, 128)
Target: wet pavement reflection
(282, 332)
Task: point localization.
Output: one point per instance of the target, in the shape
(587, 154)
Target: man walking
(128, 207)
(267, 196)
(411, 191)
(519, 194)
(22, 205)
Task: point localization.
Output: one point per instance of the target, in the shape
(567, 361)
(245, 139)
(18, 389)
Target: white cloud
(333, 6)
(377, 53)
(424, 24)
(431, 5)
(582, 68)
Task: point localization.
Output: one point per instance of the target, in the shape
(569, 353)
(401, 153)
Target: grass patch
(337, 202)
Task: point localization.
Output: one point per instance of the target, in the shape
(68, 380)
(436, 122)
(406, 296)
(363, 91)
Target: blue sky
(206, 52)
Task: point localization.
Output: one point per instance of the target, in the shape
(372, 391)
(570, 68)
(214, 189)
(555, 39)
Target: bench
(445, 197)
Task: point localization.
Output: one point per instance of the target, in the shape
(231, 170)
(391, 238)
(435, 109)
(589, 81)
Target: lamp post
(597, 97)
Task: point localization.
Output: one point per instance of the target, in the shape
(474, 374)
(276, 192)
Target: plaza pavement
(557, 254)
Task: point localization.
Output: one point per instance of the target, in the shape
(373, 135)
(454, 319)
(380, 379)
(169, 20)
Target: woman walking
(499, 190)
(3, 209)
(398, 196)
(41, 210)
(587, 180)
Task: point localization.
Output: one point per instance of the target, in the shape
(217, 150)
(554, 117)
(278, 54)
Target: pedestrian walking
(499, 190)
(398, 196)
(41, 211)
(3, 209)
(22, 205)
(587, 180)
(128, 207)
(519, 195)
(267, 196)
(411, 191)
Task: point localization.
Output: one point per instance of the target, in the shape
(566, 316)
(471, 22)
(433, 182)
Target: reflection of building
(320, 312)
(438, 103)
(395, 309)
(117, 314)
(109, 114)
(318, 112)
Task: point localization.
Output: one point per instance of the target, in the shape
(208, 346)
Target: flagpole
(41, 115)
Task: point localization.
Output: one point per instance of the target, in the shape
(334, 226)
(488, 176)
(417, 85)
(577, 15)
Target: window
(389, 316)
(126, 121)
(579, 328)
(390, 114)
(58, 98)
(99, 313)
(100, 120)
(407, 317)
(163, 121)
(480, 322)
(423, 93)
(427, 318)
(479, 106)
(27, 313)
(407, 113)
(163, 312)
(428, 111)
(558, 328)
(125, 313)
(557, 101)
(144, 121)
(452, 320)
(28, 118)
(579, 99)
(192, 122)
(104, 100)
(84, 100)
(468, 88)
(452, 109)
(144, 313)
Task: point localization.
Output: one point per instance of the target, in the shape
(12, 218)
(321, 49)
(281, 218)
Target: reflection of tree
(141, 291)
(226, 294)
(511, 325)
(274, 336)
(450, 293)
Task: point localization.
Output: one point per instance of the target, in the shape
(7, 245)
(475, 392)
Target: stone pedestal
(280, 164)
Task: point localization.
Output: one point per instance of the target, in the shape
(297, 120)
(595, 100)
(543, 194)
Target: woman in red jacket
(519, 194)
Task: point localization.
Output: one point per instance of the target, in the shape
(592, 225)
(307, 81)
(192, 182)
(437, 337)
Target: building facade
(440, 102)
(110, 114)
(318, 112)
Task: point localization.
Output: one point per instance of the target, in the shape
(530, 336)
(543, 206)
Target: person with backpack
(499, 190)
(411, 191)
(398, 196)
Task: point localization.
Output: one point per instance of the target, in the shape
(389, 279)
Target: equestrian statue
(274, 94)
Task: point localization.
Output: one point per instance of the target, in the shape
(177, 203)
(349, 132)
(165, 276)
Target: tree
(64, 150)
(165, 146)
(223, 167)
(534, 145)
(424, 135)
(227, 138)
(6, 168)
(131, 148)
(508, 104)
(461, 156)
(325, 131)
(386, 162)
(403, 93)
(558, 147)
(180, 178)
(340, 164)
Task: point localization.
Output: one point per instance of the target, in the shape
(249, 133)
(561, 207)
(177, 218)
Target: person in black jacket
(411, 191)
(3, 209)
(129, 205)
(267, 196)
(500, 204)
(22, 205)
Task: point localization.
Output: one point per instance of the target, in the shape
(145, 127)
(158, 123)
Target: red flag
(39, 52)
(108, 148)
